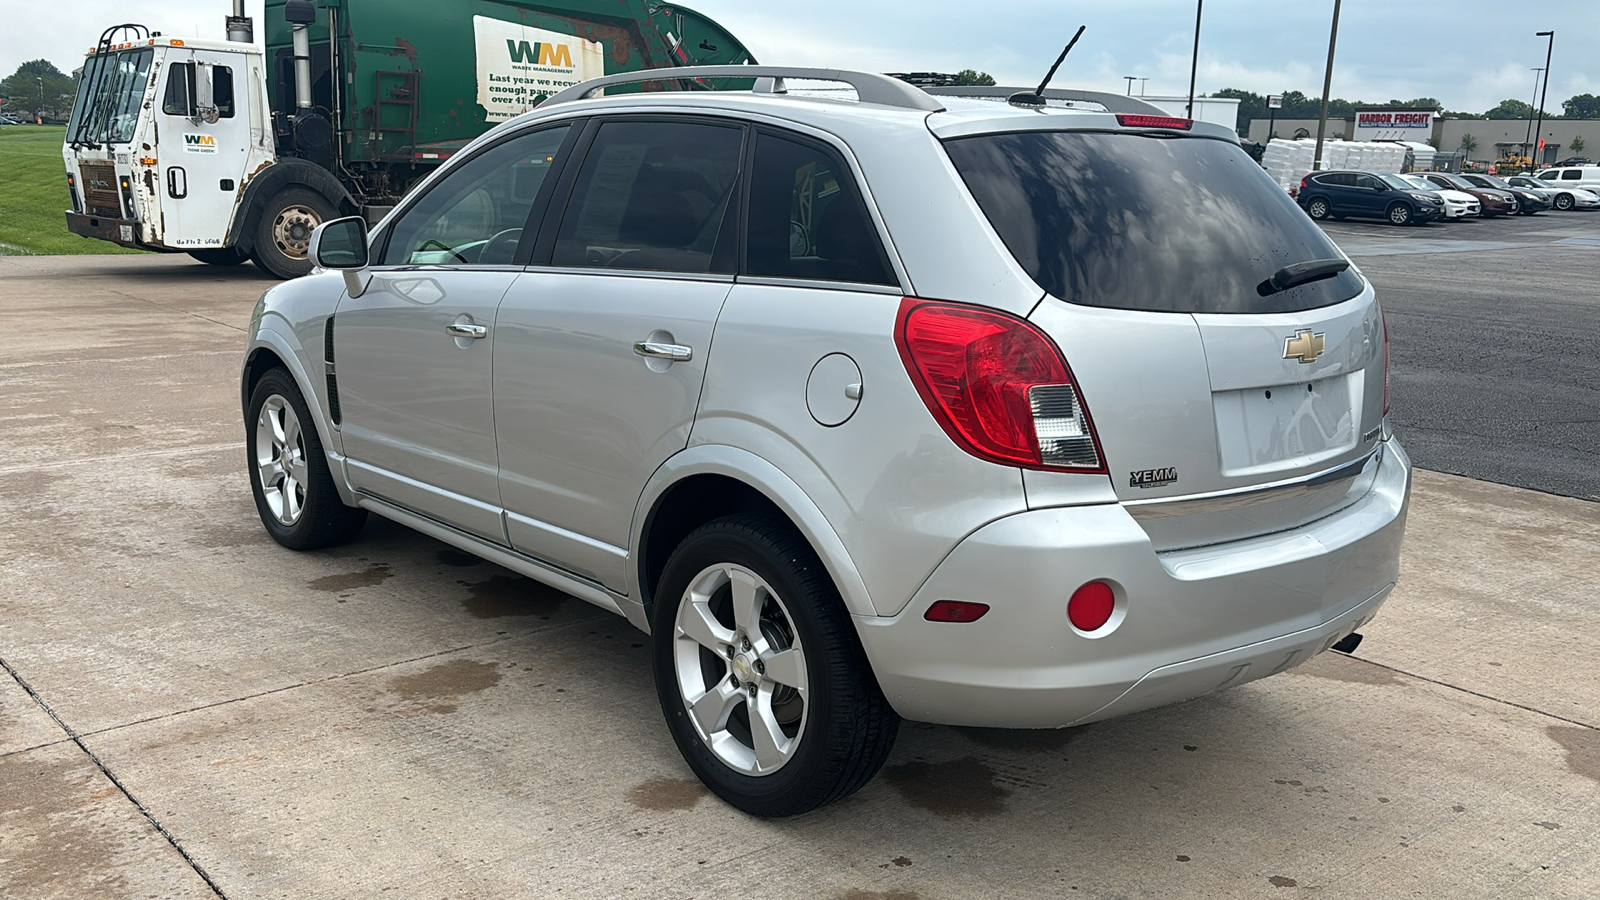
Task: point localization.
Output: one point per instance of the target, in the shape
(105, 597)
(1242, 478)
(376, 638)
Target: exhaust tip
(1348, 643)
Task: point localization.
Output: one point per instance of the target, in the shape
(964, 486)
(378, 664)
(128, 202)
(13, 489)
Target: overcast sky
(1470, 54)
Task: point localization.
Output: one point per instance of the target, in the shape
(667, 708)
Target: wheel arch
(270, 349)
(284, 173)
(711, 481)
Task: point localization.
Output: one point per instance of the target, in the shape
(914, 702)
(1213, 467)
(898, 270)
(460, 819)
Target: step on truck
(228, 150)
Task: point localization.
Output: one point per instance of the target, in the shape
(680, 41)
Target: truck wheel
(220, 256)
(762, 679)
(284, 234)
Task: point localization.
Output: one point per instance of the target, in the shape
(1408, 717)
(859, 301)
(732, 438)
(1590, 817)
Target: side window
(1548, 175)
(807, 219)
(476, 213)
(653, 195)
(1339, 179)
(179, 100)
(1571, 175)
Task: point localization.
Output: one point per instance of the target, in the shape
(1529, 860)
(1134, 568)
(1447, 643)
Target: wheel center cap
(744, 667)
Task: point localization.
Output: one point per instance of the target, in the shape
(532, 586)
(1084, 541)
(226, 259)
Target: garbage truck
(229, 150)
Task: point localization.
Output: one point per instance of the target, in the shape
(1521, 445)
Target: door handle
(669, 352)
(467, 330)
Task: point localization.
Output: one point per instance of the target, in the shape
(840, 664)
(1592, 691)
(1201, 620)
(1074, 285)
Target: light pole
(1194, 63)
(1527, 139)
(1544, 94)
(1131, 79)
(1327, 85)
(1141, 86)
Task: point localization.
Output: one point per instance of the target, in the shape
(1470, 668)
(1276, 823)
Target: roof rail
(878, 89)
(1116, 103)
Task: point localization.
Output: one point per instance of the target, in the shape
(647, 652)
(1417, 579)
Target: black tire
(220, 256)
(282, 235)
(1318, 208)
(847, 727)
(322, 519)
(1398, 214)
(1564, 202)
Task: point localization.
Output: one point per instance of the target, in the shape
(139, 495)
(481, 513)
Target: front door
(413, 353)
(601, 351)
(201, 161)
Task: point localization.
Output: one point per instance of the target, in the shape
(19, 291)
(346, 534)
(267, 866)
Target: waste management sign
(1393, 125)
(519, 66)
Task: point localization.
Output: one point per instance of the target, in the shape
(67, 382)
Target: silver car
(954, 409)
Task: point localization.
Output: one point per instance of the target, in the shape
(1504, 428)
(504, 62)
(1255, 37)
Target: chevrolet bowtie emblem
(1305, 346)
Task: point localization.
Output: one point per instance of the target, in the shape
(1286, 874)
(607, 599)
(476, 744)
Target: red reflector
(955, 611)
(1091, 606)
(1128, 121)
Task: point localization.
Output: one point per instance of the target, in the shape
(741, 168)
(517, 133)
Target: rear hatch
(1232, 363)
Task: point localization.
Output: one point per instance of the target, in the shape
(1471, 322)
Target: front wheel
(1317, 208)
(283, 236)
(1564, 202)
(763, 682)
(1399, 214)
(220, 256)
(289, 476)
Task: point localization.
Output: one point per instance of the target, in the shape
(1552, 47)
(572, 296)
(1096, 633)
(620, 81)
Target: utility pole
(1527, 140)
(1327, 85)
(1544, 94)
(1194, 63)
(38, 114)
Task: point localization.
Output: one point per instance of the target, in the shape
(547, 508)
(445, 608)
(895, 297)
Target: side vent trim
(333, 378)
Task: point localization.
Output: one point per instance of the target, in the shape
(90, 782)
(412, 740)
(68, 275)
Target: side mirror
(205, 94)
(342, 244)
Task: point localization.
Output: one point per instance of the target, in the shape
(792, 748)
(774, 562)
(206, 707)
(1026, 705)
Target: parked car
(1457, 204)
(1491, 201)
(1575, 161)
(674, 353)
(1584, 177)
(1560, 197)
(1528, 202)
(1374, 195)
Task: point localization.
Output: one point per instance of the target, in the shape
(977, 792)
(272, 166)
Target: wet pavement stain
(49, 851)
(1548, 826)
(446, 681)
(961, 787)
(1025, 740)
(1582, 746)
(460, 559)
(662, 794)
(1347, 669)
(376, 573)
(231, 535)
(511, 595)
(1280, 881)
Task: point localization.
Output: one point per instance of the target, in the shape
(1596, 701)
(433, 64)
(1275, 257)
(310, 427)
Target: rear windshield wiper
(1296, 274)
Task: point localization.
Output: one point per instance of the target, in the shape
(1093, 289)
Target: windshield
(107, 107)
(1131, 221)
(1497, 182)
(1454, 181)
(1399, 184)
(1418, 183)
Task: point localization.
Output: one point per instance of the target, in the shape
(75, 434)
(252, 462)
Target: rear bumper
(1187, 623)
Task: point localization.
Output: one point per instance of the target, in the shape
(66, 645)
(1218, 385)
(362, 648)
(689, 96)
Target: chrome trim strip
(860, 288)
(1161, 508)
(719, 277)
(538, 570)
(573, 536)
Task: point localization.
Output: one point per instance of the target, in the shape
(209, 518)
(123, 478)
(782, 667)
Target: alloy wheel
(281, 459)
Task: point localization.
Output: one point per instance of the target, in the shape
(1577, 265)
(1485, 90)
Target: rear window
(1127, 221)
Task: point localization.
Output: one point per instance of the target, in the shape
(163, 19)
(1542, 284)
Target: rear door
(1203, 379)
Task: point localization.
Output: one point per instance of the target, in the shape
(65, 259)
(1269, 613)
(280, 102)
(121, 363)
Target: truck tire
(220, 256)
(284, 233)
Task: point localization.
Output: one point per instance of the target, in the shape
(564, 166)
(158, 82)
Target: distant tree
(1511, 109)
(974, 77)
(38, 88)
(1582, 106)
(1578, 143)
(1468, 142)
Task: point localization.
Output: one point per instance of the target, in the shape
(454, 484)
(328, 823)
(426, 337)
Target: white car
(1457, 204)
(1560, 197)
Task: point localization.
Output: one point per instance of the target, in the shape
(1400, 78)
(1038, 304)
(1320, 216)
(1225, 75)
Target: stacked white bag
(1288, 161)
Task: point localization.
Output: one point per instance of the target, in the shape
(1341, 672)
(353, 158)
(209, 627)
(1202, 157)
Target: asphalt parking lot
(188, 710)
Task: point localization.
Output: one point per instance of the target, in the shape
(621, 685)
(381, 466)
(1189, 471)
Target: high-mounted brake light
(1134, 121)
(997, 385)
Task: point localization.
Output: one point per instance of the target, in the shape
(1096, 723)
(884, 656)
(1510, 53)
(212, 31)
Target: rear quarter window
(1130, 221)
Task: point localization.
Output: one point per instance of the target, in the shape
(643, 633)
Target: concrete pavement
(188, 710)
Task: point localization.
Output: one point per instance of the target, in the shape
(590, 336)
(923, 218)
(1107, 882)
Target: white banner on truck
(519, 66)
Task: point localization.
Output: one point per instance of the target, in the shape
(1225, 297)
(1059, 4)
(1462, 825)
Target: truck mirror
(205, 94)
(340, 244)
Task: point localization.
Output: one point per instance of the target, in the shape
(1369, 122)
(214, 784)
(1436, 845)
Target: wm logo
(541, 54)
(199, 140)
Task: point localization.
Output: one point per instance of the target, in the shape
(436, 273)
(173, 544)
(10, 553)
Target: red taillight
(1384, 319)
(997, 385)
(1091, 606)
(959, 611)
(1131, 121)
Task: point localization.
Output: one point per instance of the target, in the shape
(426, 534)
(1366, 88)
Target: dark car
(1528, 201)
(1491, 201)
(1573, 161)
(1375, 195)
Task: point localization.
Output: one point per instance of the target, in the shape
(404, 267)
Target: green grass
(33, 195)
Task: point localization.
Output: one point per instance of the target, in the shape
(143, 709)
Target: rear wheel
(220, 256)
(760, 674)
(1399, 214)
(283, 237)
(289, 476)
(1564, 202)
(1317, 208)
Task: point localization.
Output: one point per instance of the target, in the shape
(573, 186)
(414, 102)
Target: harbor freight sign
(1393, 124)
(518, 66)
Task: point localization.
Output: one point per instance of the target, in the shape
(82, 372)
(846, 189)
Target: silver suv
(947, 408)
